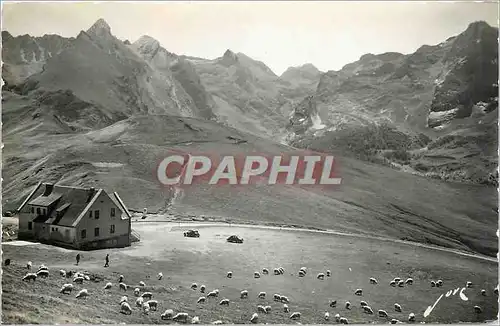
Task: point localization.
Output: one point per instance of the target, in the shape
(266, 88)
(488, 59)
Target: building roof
(69, 203)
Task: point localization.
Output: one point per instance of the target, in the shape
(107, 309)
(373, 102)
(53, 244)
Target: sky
(280, 33)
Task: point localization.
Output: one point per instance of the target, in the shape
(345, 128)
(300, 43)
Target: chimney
(48, 189)
(91, 192)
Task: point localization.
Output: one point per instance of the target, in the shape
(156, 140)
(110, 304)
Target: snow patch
(317, 123)
(106, 164)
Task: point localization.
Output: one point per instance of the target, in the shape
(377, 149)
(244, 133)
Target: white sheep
(433, 284)
(321, 276)
(363, 303)
(255, 318)
(411, 317)
(202, 288)
(194, 286)
(284, 299)
(395, 321)
(276, 297)
(337, 318)
(108, 286)
(153, 304)
(483, 292)
(285, 308)
(125, 308)
(201, 300)
(397, 307)
(393, 283)
(265, 271)
(167, 314)
(139, 301)
(147, 295)
(224, 302)
(409, 281)
(217, 322)
(43, 267)
(212, 294)
(358, 292)
(276, 271)
(281, 270)
(256, 275)
(344, 321)
(302, 274)
(62, 273)
(29, 276)
(295, 315)
(262, 295)
(243, 294)
(229, 274)
(66, 288)
(468, 284)
(137, 292)
(82, 294)
(333, 304)
(145, 308)
(78, 280)
(328, 273)
(368, 310)
(401, 283)
(123, 299)
(373, 280)
(267, 309)
(348, 305)
(382, 313)
(160, 275)
(439, 283)
(123, 286)
(261, 309)
(120, 279)
(327, 315)
(478, 309)
(304, 269)
(29, 265)
(43, 273)
(141, 283)
(495, 290)
(86, 277)
(195, 320)
(397, 279)
(180, 317)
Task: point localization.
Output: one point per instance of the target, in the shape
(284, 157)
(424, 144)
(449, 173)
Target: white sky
(281, 34)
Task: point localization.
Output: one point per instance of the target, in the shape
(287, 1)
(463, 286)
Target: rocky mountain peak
(229, 58)
(100, 28)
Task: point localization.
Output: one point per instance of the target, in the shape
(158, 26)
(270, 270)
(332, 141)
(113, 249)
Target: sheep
(321, 276)
(153, 304)
(212, 294)
(433, 284)
(382, 313)
(125, 308)
(276, 271)
(409, 281)
(439, 283)
(160, 276)
(141, 283)
(195, 320)
(373, 280)
(344, 321)
(42, 267)
(327, 315)
(255, 318)
(43, 273)
(469, 284)
(411, 317)
(393, 283)
(261, 309)
(276, 297)
(358, 292)
(123, 286)
(62, 273)
(217, 322)
(147, 295)
(86, 277)
(265, 271)
(229, 274)
(267, 309)
(137, 292)
(281, 270)
(295, 315)
(348, 305)
(328, 273)
(262, 295)
(333, 304)
(108, 286)
(194, 286)
(202, 288)
(201, 300)
(78, 280)
(495, 290)
(224, 302)
(363, 304)
(29, 265)
(285, 308)
(180, 317)
(304, 269)
(243, 294)
(66, 288)
(397, 307)
(167, 314)
(395, 321)
(256, 275)
(29, 276)
(368, 310)
(483, 292)
(145, 308)
(82, 294)
(123, 299)
(478, 309)
(302, 274)
(139, 301)
(401, 283)
(397, 279)
(120, 279)
(284, 299)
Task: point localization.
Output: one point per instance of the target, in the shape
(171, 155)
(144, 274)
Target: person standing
(107, 261)
(77, 259)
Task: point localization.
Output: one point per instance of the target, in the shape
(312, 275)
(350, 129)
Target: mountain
(423, 99)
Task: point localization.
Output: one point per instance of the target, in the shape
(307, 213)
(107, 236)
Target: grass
(207, 259)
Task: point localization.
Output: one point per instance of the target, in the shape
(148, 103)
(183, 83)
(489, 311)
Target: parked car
(192, 234)
(235, 239)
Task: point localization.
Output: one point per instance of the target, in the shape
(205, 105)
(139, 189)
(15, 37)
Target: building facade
(73, 217)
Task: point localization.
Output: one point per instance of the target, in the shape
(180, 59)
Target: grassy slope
(207, 259)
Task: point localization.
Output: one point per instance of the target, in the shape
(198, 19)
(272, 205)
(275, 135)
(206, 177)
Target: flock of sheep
(145, 302)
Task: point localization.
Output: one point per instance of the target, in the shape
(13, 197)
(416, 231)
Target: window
(84, 234)
(96, 215)
(30, 225)
(32, 209)
(112, 229)
(90, 214)
(44, 211)
(96, 232)
(113, 212)
(38, 211)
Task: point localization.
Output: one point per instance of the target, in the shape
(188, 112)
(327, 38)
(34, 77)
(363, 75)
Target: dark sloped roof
(46, 200)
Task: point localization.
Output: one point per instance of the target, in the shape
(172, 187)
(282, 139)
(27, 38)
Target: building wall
(103, 204)
(62, 234)
(25, 217)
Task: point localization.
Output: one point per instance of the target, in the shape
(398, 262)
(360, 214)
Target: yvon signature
(449, 293)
